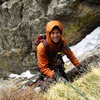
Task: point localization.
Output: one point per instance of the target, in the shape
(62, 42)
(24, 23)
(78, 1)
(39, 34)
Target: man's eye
(53, 33)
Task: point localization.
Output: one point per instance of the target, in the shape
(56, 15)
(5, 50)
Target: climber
(49, 52)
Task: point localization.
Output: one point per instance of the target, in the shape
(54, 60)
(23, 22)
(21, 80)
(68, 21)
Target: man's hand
(59, 78)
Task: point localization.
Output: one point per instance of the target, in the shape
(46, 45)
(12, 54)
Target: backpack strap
(47, 48)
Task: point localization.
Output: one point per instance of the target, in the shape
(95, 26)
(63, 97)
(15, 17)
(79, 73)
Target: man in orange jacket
(47, 58)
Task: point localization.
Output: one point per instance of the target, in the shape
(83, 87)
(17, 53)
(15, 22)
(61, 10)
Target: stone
(22, 20)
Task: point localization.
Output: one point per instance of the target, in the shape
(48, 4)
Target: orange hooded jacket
(41, 53)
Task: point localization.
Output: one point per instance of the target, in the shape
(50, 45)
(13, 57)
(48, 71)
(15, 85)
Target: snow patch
(26, 74)
(88, 43)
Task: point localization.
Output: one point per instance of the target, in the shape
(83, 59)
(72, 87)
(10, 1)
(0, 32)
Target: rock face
(91, 58)
(22, 20)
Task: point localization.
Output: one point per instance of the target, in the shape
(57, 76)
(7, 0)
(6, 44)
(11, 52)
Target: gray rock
(22, 20)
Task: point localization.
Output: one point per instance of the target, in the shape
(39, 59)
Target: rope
(77, 91)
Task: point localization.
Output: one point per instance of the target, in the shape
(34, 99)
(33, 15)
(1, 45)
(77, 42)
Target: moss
(85, 20)
(86, 14)
(4, 65)
(72, 27)
(71, 34)
(79, 22)
(75, 26)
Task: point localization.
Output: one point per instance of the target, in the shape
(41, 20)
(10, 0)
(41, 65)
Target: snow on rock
(26, 74)
(88, 43)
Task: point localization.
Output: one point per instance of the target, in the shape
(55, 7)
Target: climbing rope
(77, 91)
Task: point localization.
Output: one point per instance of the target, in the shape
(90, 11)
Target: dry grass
(88, 86)
(16, 94)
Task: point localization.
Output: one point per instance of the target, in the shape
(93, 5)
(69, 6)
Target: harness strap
(55, 58)
(48, 51)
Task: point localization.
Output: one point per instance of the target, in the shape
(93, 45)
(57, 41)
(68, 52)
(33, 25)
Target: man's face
(55, 35)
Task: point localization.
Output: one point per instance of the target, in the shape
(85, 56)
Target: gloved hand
(59, 78)
(81, 69)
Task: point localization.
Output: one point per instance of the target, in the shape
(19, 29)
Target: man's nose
(55, 34)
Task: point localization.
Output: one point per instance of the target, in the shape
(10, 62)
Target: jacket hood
(50, 25)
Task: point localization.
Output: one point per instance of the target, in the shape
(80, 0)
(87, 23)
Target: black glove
(59, 78)
(81, 69)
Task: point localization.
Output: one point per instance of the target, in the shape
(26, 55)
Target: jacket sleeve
(43, 61)
(68, 52)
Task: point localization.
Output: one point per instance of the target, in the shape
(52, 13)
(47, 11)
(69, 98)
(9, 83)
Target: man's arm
(72, 57)
(43, 61)
(68, 52)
